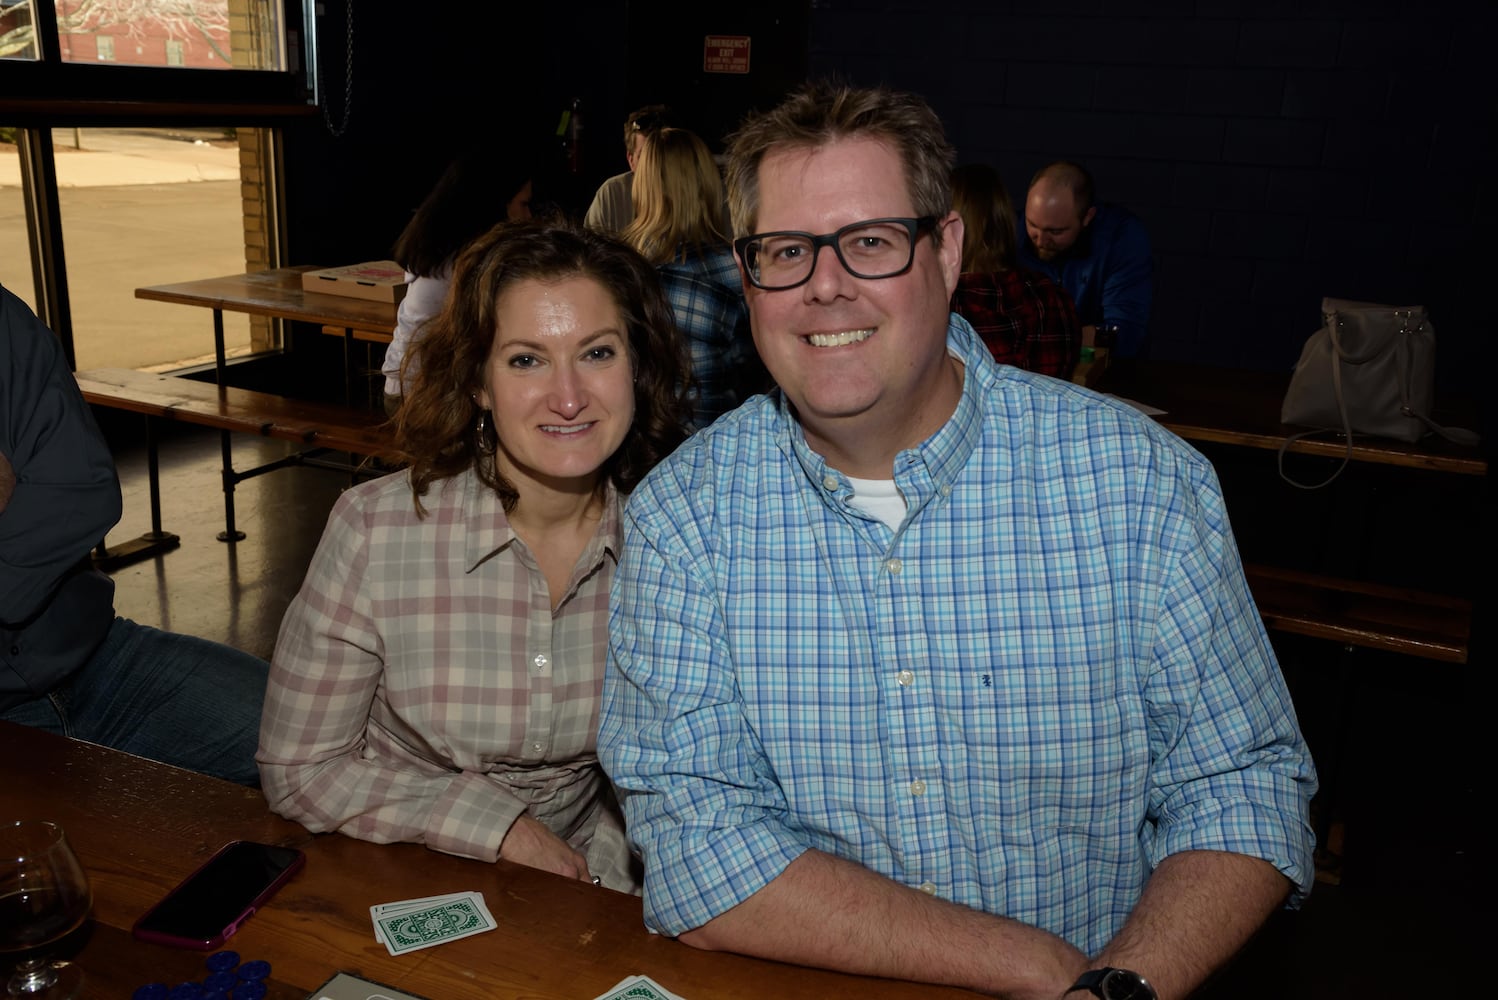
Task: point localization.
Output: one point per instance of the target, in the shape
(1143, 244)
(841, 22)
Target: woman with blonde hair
(679, 227)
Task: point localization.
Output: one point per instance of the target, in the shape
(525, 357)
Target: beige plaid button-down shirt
(424, 689)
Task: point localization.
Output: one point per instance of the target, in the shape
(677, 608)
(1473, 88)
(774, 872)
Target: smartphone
(208, 906)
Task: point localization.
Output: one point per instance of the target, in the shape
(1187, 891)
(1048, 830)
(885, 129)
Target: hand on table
(530, 843)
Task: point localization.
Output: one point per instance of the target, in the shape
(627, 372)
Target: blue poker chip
(222, 961)
(185, 991)
(252, 989)
(257, 969)
(221, 981)
(150, 991)
(214, 995)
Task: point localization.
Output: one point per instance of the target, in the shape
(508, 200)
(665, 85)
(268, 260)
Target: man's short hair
(646, 119)
(1071, 175)
(823, 112)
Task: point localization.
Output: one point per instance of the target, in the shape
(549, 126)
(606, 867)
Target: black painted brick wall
(1279, 151)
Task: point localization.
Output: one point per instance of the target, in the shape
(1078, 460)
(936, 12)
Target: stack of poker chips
(227, 979)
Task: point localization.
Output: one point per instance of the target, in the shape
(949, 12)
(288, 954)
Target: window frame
(91, 94)
(84, 94)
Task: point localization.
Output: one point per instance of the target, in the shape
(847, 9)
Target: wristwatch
(1115, 984)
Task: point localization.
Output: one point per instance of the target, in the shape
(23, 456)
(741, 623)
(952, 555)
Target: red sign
(725, 54)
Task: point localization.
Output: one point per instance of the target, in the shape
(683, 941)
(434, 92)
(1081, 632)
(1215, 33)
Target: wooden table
(278, 293)
(138, 827)
(1234, 407)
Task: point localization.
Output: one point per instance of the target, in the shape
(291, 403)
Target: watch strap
(1089, 981)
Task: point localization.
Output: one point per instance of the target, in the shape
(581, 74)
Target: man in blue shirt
(925, 667)
(1099, 253)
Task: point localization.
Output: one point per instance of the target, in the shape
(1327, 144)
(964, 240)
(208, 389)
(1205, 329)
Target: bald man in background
(1099, 253)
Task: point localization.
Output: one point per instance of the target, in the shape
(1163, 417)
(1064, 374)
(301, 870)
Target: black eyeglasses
(874, 248)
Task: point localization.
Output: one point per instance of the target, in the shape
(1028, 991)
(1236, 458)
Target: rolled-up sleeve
(1231, 769)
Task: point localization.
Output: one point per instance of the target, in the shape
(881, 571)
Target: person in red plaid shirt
(1026, 319)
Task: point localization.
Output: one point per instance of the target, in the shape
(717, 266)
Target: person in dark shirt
(1025, 318)
(1099, 253)
(67, 663)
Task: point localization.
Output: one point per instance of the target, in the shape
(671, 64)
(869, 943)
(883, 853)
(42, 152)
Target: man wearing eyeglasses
(928, 668)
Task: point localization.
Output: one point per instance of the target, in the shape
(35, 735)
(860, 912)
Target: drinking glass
(44, 896)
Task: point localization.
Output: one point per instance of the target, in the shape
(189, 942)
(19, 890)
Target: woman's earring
(485, 446)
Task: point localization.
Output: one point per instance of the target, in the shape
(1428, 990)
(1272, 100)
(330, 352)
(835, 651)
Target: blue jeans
(173, 698)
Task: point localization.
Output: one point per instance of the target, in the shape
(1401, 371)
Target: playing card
(415, 904)
(402, 927)
(638, 988)
(346, 986)
(407, 905)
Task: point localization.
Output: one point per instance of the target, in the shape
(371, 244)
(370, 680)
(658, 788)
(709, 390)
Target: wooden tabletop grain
(279, 293)
(139, 827)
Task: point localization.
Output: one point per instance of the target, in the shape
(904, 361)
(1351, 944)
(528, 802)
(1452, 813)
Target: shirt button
(829, 482)
(537, 747)
(946, 491)
(541, 661)
(894, 566)
(905, 678)
(918, 787)
(929, 888)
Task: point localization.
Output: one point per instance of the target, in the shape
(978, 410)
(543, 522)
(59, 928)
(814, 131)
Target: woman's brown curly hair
(436, 428)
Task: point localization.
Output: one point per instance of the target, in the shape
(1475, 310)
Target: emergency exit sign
(725, 54)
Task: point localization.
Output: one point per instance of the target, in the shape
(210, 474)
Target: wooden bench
(321, 427)
(1431, 626)
(1355, 614)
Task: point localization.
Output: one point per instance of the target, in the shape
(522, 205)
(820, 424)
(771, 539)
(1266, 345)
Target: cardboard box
(377, 281)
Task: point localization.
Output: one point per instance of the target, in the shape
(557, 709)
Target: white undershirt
(879, 498)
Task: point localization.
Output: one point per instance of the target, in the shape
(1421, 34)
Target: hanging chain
(348, 79)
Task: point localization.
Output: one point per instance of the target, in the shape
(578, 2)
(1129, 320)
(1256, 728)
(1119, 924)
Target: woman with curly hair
(437, 678)
(678, 227)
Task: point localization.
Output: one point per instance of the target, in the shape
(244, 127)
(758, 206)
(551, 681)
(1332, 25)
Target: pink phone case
(207, 907)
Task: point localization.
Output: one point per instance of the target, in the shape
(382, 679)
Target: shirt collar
(490, 531)
(935, 462)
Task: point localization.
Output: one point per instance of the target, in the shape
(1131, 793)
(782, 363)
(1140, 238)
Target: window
(150, 31)
(80, 80)
(15, 259)
(17, 38)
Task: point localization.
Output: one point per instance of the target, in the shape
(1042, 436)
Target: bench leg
(230, 533)
(348, 366)
(155, 541)
(153, 470)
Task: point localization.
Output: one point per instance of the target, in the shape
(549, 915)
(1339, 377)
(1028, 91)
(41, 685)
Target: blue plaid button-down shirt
(1051, 676)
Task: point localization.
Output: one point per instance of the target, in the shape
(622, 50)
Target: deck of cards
(638, 988)
(413, 924)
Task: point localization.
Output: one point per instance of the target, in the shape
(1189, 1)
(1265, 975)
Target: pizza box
(377, 281)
